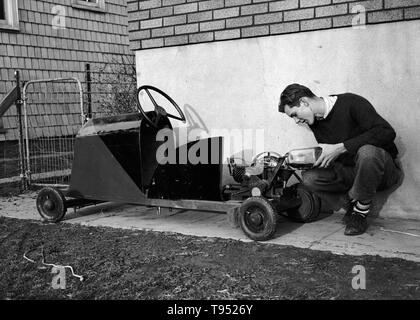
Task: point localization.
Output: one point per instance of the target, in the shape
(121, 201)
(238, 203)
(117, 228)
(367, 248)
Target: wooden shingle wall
(41, 50)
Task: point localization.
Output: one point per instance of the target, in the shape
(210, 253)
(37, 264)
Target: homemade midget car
(115, 161)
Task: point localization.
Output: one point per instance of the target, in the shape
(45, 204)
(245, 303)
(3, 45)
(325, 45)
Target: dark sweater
(355, 122)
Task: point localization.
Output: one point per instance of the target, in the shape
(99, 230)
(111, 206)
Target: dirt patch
(9, 159)
(125, 264)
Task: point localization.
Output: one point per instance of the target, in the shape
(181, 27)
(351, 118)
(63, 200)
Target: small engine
(262, 167)
(264, 176)
(266, 190)
(256, 175)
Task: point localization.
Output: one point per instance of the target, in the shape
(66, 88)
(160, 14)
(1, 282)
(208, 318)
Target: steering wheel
(160, 111)
(261, 156)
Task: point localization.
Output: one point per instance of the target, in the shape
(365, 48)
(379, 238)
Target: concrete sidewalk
(385, 237)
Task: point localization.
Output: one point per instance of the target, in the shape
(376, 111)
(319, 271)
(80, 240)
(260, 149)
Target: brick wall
(42, 52)
(164, 23)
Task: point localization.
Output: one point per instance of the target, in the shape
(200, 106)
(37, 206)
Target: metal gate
(53, 113)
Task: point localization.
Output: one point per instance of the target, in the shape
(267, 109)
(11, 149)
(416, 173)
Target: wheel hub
(256, 218)
(49, 205)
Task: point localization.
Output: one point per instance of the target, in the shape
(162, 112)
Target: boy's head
(296, 102)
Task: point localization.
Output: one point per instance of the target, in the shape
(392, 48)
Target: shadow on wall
(197, 129)
(381, 197)
(194, 121)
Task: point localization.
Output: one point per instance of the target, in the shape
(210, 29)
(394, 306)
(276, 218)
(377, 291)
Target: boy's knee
(310, 179)
(370, 152)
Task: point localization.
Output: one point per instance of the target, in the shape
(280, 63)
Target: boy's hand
(330, 152)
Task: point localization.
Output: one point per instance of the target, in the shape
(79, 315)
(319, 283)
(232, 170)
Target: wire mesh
(53, 118)
(53, 111)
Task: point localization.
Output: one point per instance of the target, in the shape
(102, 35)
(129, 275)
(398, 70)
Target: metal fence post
(19, 102)
(89, 91)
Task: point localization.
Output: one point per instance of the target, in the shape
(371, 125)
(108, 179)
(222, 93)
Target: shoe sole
(353, 234)
(356, 233)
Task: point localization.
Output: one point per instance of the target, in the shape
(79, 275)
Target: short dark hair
(291, 95)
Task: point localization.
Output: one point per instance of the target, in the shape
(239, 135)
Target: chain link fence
(53, 113)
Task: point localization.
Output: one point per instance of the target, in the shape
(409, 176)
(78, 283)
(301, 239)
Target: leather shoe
(348, 206)
(356, 224)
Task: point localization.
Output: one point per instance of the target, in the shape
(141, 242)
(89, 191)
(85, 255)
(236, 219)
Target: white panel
(237, 84)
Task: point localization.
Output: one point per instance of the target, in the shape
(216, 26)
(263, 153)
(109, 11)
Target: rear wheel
(257, 218)
(309, 210)
(51, 204)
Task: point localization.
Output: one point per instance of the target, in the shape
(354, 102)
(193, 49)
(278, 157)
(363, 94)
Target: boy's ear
(304, 100)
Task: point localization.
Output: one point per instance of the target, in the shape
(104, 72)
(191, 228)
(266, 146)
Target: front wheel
(257, 218)
(309, 210)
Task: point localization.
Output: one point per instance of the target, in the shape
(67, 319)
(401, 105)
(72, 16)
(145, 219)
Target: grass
(136, 264)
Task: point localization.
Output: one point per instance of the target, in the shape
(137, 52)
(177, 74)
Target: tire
(51, 204)
(257, 219)
(310, 208)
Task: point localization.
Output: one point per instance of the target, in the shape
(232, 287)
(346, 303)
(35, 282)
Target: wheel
(309, 210)
(159, 111)
(51, 204)
(257, 218)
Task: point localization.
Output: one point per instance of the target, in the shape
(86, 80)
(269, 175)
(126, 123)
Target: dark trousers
(374, 170)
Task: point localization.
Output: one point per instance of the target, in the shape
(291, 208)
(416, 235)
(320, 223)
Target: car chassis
(115, 161)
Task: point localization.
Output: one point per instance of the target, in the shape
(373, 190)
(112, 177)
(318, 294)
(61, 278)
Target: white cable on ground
(30, 260)
(51, 264)
(406, 233)
(60, 266)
